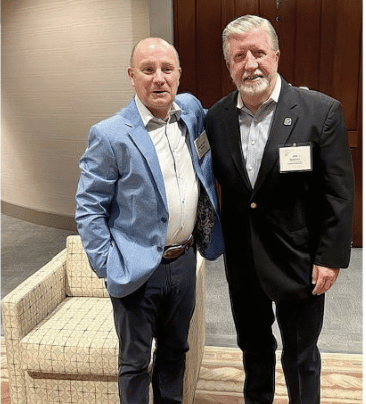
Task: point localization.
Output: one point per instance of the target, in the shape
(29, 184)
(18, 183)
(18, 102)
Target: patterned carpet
(221, 378)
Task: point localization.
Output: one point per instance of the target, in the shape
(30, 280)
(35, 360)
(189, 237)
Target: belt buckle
(176, 251)
(172, 251)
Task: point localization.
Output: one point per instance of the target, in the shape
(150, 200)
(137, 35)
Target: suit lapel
(284, 121)
(233, 137)
(143, 142)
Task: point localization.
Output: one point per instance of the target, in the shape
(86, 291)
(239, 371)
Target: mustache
(252, 75)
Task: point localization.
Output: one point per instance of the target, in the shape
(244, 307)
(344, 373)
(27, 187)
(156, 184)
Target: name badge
(295, 158)
(202, 144)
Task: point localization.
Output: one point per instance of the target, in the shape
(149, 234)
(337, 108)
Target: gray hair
(244, 24)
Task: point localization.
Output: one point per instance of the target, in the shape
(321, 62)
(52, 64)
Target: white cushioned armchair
(60, 340)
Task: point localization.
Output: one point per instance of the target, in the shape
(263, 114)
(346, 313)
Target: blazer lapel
(284, 121)
(191, 138)
(141, 138)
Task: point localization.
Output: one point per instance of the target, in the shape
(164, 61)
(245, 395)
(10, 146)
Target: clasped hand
(323, 278)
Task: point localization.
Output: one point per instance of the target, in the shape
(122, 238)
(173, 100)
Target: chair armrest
(30, 302)
(25, 307)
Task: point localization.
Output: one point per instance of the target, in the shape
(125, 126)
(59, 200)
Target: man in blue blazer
(281, 157)
(146, 201)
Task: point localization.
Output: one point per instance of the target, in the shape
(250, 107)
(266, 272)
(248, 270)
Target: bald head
(153, 43)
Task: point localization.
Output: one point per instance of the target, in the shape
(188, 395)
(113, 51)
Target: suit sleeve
(98, 175)
(337, 190)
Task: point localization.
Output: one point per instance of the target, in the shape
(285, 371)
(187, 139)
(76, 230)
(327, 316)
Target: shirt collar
(273, 97)
(147, 116)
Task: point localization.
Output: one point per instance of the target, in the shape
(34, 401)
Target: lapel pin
(287, 121)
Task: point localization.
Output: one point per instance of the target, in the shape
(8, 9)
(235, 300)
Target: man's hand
(324, 278)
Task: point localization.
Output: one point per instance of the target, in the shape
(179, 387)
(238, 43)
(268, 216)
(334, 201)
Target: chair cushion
(76, 338)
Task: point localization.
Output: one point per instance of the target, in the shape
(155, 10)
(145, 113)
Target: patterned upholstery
(60, 340)
(80, 279)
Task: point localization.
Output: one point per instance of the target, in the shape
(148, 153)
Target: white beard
(257, 91)
(257, 88)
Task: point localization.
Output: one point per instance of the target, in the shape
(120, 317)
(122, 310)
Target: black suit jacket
(289, 221)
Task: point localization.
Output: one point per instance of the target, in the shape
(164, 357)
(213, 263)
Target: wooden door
(320, 45)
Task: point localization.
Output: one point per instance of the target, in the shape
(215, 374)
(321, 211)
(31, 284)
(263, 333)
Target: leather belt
(175, 251)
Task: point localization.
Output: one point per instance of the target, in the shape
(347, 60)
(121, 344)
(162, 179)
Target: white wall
(63, 68)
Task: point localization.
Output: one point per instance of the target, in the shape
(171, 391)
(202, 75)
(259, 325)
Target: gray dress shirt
(254, 131)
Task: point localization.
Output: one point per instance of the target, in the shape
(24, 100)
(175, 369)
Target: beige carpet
(221, 378)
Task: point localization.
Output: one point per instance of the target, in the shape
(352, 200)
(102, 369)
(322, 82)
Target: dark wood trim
(357, 239)
(47, 219)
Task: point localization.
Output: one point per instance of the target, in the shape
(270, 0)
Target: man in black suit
(282, 160)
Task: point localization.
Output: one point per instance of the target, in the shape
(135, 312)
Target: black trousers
(300, 323)
(162, 308)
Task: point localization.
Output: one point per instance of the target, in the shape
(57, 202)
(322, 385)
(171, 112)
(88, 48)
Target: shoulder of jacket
(111, 122)
(112, 128)
(224, 102)
(187, 100)
(313, 96)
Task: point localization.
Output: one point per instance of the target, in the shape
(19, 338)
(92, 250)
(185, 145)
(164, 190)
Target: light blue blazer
(122, 211)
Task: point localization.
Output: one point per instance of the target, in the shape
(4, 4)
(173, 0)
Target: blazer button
(253, 205)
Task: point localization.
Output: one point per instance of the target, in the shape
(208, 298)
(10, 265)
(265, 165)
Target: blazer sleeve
(337, 189)
(98, 175)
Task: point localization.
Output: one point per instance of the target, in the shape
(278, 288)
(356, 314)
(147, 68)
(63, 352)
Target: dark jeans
(161, 309)
(300, 323)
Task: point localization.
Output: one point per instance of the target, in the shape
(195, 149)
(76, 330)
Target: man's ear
(131, 75)
(278, 56)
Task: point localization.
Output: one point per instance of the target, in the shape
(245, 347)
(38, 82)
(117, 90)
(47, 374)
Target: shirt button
(253, 142)
(253, 205)
(250, 168)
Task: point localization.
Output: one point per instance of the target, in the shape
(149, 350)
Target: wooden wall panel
(210, 56)
(286, 28)
(328, 47)
(245, 7)
(346, 58)
(185, 40)
(269, 10)
(307, 44)
(357, 156)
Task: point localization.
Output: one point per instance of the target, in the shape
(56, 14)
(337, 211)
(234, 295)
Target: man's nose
(158, 76)
(250, 62)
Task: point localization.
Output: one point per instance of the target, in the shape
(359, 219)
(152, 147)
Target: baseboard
(53, 220)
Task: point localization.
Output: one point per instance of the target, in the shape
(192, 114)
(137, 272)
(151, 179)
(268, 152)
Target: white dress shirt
(254, 130)
(181, 184)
